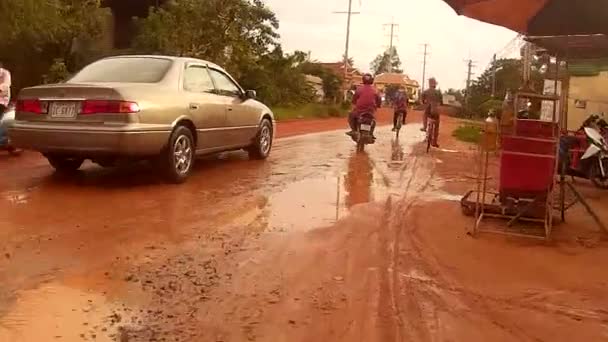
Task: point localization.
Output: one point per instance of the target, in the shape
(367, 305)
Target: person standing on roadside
(5, 88)
(432, 99)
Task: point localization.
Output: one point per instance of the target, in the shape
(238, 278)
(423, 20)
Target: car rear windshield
(126, 70)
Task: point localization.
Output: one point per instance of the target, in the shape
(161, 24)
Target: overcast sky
(309, 25)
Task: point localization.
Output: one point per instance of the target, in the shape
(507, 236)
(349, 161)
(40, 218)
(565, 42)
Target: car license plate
(64, 110)
(365, 127)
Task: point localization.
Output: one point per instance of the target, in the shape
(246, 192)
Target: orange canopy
(539, 17)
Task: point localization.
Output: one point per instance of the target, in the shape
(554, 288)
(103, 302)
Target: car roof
(173, 58)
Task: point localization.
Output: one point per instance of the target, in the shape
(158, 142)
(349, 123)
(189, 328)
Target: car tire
(262, 145)
(177, 158)
(65, 164)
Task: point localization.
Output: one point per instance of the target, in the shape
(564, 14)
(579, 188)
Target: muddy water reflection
(321, 201)
(358, 180)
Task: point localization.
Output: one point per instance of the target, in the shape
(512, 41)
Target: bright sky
(309, 25)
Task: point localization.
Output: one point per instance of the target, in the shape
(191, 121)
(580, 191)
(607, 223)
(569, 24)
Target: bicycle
(399, 123)
(430, 133)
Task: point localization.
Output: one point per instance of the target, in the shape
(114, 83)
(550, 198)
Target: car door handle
(194, 106)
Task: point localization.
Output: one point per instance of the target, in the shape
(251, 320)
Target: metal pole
(494, 76)
(424, 67)
(350, 11)
(390, 49)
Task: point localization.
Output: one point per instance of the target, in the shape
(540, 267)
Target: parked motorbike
(593, 163)
(6, 120)
(364, 135)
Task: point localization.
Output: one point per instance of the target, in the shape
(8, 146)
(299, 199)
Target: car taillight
(32, 106)
(108, 107)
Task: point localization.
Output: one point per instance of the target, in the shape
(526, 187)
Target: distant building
(317, 84)
(450, 100)
(400, 80)
(586, 89)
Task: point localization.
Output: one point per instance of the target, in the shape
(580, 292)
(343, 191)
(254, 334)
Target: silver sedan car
(165, 109)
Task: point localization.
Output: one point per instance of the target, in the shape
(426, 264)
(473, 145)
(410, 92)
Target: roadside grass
(468, 132)
(308, 111)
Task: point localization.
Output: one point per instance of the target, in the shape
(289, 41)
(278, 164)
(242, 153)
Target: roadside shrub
(334, 111)
(58, 72)
(468, 133)
(484, 108)
(346, 105)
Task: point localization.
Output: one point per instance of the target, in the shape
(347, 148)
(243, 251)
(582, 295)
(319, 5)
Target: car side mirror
(250, 94)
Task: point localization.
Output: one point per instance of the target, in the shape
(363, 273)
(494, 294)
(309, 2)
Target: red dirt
(298, 127)
(316, 244)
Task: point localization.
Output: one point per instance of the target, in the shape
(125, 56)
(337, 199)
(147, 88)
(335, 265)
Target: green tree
(37, 32)
(240, 35)
(232, 32)
(388, 61)
(508, 76)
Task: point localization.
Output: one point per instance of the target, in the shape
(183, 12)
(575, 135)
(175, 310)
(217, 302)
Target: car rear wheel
(65, 164)
(261, 147)
(177, 158)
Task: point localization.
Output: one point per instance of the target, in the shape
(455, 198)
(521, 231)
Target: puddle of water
(57, 313)
(318, 202)
(16, 197)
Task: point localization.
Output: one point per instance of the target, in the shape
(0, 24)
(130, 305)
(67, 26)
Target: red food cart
(528, 165)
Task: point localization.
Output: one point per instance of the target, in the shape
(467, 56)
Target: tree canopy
(388, 61)
(37, 33)
(45, 40)
(508, 76)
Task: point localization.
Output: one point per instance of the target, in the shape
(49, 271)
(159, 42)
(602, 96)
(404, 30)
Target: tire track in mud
(426, 301)
(416, 276)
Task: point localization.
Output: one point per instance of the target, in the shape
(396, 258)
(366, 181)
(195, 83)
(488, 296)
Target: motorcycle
(364, 135)
(593, 163)
(6, 120)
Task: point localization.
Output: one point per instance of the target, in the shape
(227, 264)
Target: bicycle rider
(400, 107)
(432, 99)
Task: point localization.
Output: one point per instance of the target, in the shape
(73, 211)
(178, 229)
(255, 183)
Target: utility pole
(470, 65)
(392, 27)
(348, 13)
(425, 54)
(494, 76)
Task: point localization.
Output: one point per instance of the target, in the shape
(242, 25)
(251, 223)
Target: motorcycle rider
(366, 100)
(432, 99)
(5, 88)
(400, 106)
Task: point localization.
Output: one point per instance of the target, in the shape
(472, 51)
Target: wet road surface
(315, 244)
(78, 248)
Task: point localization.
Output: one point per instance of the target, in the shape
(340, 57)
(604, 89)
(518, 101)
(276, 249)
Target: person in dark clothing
(432, 99)
(400, 106)
(366, 100)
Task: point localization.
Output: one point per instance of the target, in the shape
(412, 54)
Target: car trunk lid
(70, 104)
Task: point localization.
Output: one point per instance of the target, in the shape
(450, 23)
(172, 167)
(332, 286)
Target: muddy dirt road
(316, 244)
